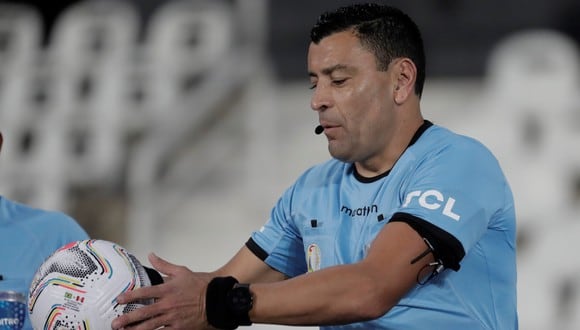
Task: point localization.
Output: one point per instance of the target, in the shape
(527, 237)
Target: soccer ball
(76, 287)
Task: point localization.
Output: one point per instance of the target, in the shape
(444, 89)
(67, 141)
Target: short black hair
(386, 31)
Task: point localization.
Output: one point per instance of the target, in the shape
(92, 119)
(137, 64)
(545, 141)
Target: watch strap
(227, 303)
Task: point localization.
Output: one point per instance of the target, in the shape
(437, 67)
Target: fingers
(123, 321)
(173, 307)
(154, 317)
(162, 265)
(149, 292)
(139, 294)
(133, 319)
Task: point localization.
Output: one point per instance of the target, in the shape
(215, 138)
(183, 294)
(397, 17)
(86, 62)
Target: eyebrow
(329, 71)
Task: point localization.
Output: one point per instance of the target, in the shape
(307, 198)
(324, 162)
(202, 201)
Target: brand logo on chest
(359, 212)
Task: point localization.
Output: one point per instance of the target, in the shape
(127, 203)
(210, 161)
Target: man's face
(353, 99)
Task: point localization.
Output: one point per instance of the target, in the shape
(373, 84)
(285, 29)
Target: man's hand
(179, 301)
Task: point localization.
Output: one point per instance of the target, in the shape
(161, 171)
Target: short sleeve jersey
(27, 237)
(330, 216)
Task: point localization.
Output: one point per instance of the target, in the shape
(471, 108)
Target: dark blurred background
(458, 34)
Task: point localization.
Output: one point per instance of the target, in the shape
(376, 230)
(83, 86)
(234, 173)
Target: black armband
(227, 303)
(444, 246)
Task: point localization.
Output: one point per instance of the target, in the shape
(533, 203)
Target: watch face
(240, 300)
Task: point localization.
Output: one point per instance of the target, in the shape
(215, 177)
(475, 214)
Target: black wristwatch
(240, 302)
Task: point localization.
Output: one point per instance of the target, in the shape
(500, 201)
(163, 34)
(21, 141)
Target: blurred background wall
(173, 126)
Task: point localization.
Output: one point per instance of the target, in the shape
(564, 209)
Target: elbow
(371, 311)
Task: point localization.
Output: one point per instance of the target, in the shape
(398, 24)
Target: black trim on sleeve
(256, 249)
(446, 247)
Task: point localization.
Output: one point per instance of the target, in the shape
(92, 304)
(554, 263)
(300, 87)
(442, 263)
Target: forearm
(247, 268)
(337, 295)
(341, 294)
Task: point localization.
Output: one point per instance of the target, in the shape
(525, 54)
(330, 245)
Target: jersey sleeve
(278, 243)
(458, 189)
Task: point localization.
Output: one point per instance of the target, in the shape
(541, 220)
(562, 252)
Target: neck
(400, 138)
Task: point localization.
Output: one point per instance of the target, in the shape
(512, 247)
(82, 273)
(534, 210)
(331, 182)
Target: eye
(313, 83)
(338, 82)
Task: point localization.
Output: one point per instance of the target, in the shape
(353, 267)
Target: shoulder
(445, 157)
(47, 223)
(38, 231)
(441, 143)
(327, 172)
(453, 161)
(319, 178)
(60, 224)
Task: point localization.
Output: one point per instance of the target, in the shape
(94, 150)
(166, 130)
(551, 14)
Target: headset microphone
(318, 130)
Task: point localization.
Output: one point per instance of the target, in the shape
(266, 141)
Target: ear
(405, 75)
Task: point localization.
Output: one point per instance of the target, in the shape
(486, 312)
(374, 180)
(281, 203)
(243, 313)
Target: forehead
(341, 50)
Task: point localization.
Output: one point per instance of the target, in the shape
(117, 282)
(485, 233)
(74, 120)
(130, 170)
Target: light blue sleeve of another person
(28, 236)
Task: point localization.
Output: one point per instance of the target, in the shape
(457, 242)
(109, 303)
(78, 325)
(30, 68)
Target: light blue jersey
(331, 215)
(27, 237)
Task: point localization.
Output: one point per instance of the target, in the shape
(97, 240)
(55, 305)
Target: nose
(321, 99)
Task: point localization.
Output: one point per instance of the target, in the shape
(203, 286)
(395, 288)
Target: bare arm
(248, 268)
(346, 293)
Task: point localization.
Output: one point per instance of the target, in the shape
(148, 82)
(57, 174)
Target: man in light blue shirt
(409, 226)
(449, 189)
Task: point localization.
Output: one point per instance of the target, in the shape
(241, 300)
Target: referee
(408, 226)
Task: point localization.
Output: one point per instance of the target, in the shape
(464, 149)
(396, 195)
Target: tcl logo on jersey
(433, 200)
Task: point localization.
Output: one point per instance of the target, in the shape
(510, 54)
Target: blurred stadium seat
(95, 33)
(20, 34)
(185, 40)
(91, 57)
(525, 115)
(191, 71)
(31, 169)
(532, 96)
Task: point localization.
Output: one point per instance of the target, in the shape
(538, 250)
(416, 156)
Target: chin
(342, 156)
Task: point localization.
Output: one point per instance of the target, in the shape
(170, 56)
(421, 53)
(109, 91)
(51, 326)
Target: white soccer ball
(76, 287)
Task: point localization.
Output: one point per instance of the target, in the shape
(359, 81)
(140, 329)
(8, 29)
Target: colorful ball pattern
(77, 286)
